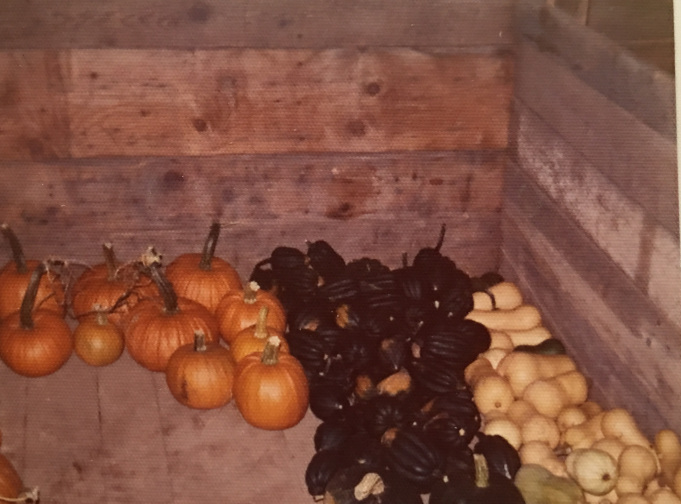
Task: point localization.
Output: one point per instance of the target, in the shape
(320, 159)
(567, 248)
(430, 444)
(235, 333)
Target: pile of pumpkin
(426, 380)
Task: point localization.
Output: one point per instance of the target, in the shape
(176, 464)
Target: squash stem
(28, 302)
(481, 470)
(165, 288)
(261, 331)
(199, 341)
(270, 354)
(29, 495)
(110, 261)
(209, 247)
(17, 252)
(250, 292)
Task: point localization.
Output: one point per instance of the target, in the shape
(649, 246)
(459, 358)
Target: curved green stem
(28, 302)
(17, 251)
(209, 247)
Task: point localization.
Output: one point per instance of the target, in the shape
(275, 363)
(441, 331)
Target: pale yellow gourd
(502, 296)
(519, 411)
(478, 369)
(540, 428)
(530, 337)
(539, 453)
(504, 427)
(547, 396)
(668, 448)
(595, 471)
(620, 424)
(492, 392)
(636, 466)
(585, 434)
(522, 318)
(569, 417)
(500, 339)
(663, 496)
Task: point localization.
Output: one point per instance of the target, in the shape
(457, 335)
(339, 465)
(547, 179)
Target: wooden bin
(547, 149)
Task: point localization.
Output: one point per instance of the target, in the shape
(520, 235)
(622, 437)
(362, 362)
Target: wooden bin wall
(590, 209)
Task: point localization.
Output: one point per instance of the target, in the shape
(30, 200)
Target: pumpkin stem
(441, 240)
(27, 304)
(481, 470)
(151, 260)
(28, 495)
(250, 292)
(209, 247)
(199, 341)
(17, 252)
(110, 260)
(261, 331)
(270, 354)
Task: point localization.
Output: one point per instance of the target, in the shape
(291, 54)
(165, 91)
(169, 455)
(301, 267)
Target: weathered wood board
(91, 103)
(253, 23)
(380, 205)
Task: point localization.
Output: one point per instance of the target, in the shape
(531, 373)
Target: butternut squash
(539, 453)
(620, 424)
(668, 448)
(502, 296)
(540, 428)
(663, 496)
(547, 396)
(595, 471)
(522, 318)
(520, 410)
(504, 427)
(636, 466)
(499, 339)
(533, 336)
(569, 417)
(521, 368)
(478, 369)
(492, 392)
(585, 434)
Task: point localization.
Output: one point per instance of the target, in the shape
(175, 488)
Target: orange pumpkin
(109, 287)
(16, 274)
(201, 375)
(239, 310)
(155, 327)
(270, 388)
(203, 277)
(35, 342)
(10, 481)
(97, 340)
(253, 339)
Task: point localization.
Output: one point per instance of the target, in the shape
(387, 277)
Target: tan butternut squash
(540, 428)
(502, 296)
(522, 318)
(636, 466)
(668, 448)
(620, 424)
(569, 417)
(504, 427)
(492, 392)
(533, 336)
(521, 368)
(585, 434)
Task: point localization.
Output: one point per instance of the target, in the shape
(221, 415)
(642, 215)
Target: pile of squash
(529, 391)
(425, 380)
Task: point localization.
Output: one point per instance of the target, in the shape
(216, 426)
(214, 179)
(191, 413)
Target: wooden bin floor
(115, 434)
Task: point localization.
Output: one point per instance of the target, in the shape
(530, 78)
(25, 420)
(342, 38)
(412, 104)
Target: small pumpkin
(15, 276)
(110, 287)
(239, 309)
(35, 342)
(253, 338)
(203, 277)
(97, 340)
(201, 375)
(270, 389)
(156, 327)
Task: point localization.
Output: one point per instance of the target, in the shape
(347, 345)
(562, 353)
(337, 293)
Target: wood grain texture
(618, 225)
(38, 24)
(640, 161)
(620, 338)
(364, 204)
(603, 64)
(174, 102)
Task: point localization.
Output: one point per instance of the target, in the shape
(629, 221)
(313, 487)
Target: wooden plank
(252, 23)
(33, 110)
(603, 64)
(206, 447)
(63, 439)
(132, 103)
(620, 227)
(13, 399)
(608, 324)
(133, 463)
(640, 161)
(630, 20)
(374, 204)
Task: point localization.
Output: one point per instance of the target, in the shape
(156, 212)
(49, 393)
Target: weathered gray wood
(603, 64)
(205, 102)
(617, 335)
(13, 398)
(205, 447)
(63, 435)
(375, 205)
(247, 23)
(639, 160)
(619, 227)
